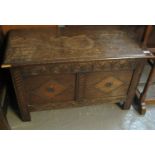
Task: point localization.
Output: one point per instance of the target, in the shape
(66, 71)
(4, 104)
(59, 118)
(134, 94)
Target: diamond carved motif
(50, 89)
(108, 84)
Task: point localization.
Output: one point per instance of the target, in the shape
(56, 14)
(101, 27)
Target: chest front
(73, 84)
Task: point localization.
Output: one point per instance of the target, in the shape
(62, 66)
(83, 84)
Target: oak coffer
(72, 67)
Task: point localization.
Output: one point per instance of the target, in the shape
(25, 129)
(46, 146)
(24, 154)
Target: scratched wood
(44, 46)
(73, 66)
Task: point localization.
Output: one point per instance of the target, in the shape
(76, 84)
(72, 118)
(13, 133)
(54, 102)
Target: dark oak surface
(6, 28)
(3, 93)
(3, 120)
(73, 66)
(69, 44)
(146, 93)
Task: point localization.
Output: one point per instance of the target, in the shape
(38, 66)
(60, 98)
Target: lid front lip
(75, 60)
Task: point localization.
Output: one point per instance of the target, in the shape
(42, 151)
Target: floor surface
(99, 117)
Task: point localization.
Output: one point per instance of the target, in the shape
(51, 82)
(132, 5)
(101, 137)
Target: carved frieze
(79, 67)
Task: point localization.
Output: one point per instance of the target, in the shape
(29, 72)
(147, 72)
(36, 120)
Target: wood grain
(27, 46)
(73, 67)
(6, 28)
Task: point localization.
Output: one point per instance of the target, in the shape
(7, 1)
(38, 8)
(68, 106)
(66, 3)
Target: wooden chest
(73, 67)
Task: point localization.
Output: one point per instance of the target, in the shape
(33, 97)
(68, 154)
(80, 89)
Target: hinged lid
(27, 47)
